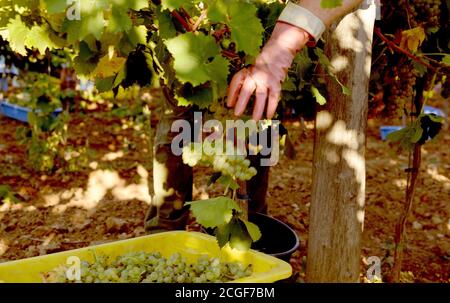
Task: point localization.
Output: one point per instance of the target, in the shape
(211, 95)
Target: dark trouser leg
(172, 179)
(257, 186)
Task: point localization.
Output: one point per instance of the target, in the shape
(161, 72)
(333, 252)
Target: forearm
(329, 15)
(297, 24)
(309, 16)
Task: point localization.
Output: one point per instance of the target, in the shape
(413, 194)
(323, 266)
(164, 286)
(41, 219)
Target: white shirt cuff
(301, 17)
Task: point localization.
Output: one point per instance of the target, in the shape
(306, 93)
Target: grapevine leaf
(119, 21)
(55, 6)
(133, 4)
(83, 67)
(109, 66)
(121, 75)
(236, 233)
(246, 28)
(240, 238)
(228, 181)
(175, 4)
(202, 97)
(397, 135)
(253, 230)
(420, 68)
(345, 90)
(197, 59)
(137, 35)
(330, 3)
(223, 233)
(437, 119)
(319, 98)
(432, 30)
(418, 132)
(412, 39)
(323, 59)
(7, 195)
(325, 62)
(104, 85)
(446, 59)
(85, 53)
(166, 28)
(4, 190)
(39, 38)
(213, 212)
(91, 22)
(218, 10)
(17, 34)
(289, 85)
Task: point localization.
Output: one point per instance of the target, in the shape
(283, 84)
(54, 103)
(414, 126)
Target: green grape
(145, 267)
(226, 43)
(181, 278)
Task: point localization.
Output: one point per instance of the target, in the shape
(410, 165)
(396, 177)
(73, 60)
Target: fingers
(235, 87)
(260, 103)
(246, 92)
(274, 97)
(242, 87)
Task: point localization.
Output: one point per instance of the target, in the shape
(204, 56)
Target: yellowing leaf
(17, 34)
(412, 39)
(39, 38)
(319, 97)
(108, 66)
(446, 60)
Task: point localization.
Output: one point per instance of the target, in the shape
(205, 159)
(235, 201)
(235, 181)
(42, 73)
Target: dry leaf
(412, 39)
(108, 66)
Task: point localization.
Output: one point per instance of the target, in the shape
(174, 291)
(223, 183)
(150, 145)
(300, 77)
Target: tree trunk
(338, 188)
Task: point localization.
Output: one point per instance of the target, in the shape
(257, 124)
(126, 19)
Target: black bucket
(278, 239)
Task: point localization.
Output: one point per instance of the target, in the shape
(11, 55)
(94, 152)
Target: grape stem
(229, 54)
(199, 21)
(241, 200)
(397, 48)
(218, 35)
(186, 14)
(182, 21)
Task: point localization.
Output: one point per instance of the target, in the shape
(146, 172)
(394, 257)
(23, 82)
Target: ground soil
(107, 200)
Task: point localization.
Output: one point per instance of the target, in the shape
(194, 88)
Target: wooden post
(338, 187)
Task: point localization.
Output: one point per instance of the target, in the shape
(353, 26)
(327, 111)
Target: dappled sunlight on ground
(108, 201)
(99, 184)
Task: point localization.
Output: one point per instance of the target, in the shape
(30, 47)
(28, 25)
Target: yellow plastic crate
(189, 244)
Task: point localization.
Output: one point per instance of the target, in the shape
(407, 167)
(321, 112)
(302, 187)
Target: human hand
(265, 77)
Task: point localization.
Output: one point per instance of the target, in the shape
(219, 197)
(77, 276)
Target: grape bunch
(401, 89)
(228, 162)
(142, 267)
(425, 12)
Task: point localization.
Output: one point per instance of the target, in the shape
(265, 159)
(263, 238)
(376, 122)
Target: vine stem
(242, 199)
(400, 228)
(413, 175)
(199, 21)
(182, 21)
(397, 48)
(230, 54)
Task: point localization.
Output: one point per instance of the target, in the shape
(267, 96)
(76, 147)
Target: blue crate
(433, 110)
(386, 130)
(19, 113)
